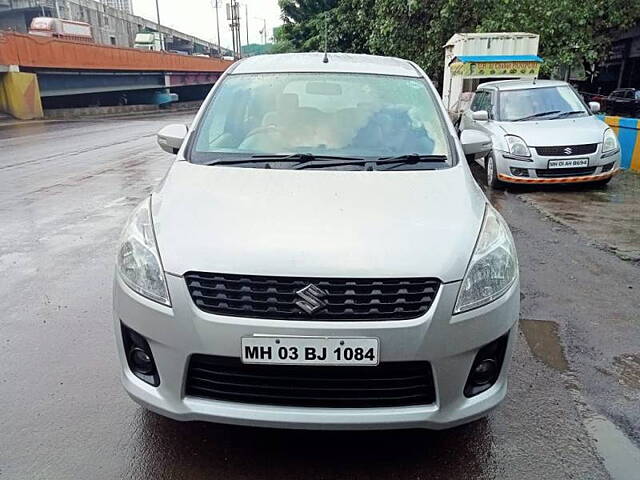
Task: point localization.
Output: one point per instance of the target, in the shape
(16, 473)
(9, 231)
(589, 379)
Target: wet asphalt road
(65, 190)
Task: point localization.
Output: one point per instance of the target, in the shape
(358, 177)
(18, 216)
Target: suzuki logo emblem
(312, 299)
(568, 151)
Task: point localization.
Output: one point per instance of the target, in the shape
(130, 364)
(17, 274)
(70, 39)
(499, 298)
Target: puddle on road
(620, 456)
(544, 342)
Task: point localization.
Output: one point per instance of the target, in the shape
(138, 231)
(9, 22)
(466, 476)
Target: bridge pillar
(20, 95)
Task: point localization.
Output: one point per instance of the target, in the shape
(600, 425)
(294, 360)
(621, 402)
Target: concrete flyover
(34, 68)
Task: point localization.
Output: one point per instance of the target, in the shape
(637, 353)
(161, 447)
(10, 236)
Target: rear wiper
(536, 115)
(566, 114)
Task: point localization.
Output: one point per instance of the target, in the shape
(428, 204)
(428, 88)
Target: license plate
(569, 163)
(310, 350)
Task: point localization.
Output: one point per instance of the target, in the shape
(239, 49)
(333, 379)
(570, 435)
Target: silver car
(542, 132)
(318, 256)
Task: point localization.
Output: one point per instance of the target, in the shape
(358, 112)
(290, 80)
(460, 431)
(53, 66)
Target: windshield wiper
(303, 159)
(566, 114)
(409, 158)
(536, 115)
(309, 160)
(412, 158)
(256, 159)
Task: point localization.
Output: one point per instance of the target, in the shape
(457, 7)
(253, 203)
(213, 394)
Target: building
(111, 26)
(124, 5)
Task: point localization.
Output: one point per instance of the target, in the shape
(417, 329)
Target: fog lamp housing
(486, 367)
(139, 356)
(519, 172)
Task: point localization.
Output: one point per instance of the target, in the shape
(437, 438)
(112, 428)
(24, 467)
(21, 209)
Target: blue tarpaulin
(498, 58)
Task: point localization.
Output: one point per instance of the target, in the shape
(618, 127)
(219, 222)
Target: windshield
(342, 115)
(540, 104)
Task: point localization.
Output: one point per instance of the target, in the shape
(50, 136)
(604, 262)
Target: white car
(542, 132)
(318, 256)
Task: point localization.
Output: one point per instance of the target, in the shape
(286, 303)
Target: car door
(613, 102)
(624, 102)
(629, 103)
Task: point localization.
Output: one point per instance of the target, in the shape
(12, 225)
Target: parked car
(624, 102)
(318, 256)
(541, 132)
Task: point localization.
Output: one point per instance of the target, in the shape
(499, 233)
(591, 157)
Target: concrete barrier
(628, 132)
(20, 95)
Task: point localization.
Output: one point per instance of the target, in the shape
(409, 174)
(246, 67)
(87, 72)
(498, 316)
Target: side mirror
(475, 142)
(170, 138)
(480, 116)
(594, 106)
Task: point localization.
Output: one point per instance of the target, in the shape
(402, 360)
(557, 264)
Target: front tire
(491, 173)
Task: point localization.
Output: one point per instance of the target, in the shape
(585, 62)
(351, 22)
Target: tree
(571, 31)
(417, 30)
(346, 23)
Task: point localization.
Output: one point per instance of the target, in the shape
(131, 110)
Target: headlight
(517, 146)
(610, 141)
(138, 260)
(493, 267)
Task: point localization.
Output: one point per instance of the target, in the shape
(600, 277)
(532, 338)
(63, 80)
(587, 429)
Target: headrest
(288, 101)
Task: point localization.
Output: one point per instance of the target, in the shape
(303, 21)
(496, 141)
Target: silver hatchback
(542, 132)
(318, 256)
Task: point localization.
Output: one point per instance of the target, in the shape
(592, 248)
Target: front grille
(565, 172)
(561, 151)
(392, 384)
(350, 299)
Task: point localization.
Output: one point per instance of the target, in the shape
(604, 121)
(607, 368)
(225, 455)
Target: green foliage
(571, 31)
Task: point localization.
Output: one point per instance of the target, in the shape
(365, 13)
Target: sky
(198, 17)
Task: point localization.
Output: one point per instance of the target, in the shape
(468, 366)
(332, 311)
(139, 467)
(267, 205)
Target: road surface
(65, 191)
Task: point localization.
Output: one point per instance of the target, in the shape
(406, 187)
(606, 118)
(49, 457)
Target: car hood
(317, 223)
(568, 131)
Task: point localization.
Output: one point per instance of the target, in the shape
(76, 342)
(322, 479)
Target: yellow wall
(20, 95)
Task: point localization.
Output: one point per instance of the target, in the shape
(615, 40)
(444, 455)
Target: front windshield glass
(546, 103)
(320, 114)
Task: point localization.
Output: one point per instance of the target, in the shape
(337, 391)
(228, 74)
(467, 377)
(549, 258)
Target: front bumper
(506, 164)
(448, 342)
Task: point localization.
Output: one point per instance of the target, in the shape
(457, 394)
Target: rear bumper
(449, 343)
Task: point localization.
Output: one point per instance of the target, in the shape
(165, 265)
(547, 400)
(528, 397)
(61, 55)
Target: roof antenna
(326, 35)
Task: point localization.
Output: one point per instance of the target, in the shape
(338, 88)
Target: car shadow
(169, 449)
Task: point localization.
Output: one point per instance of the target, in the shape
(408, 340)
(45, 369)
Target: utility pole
(218, 30)
(233, 15)
(263, 32)
(159, 32)
(239, 33)
(246, 19)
